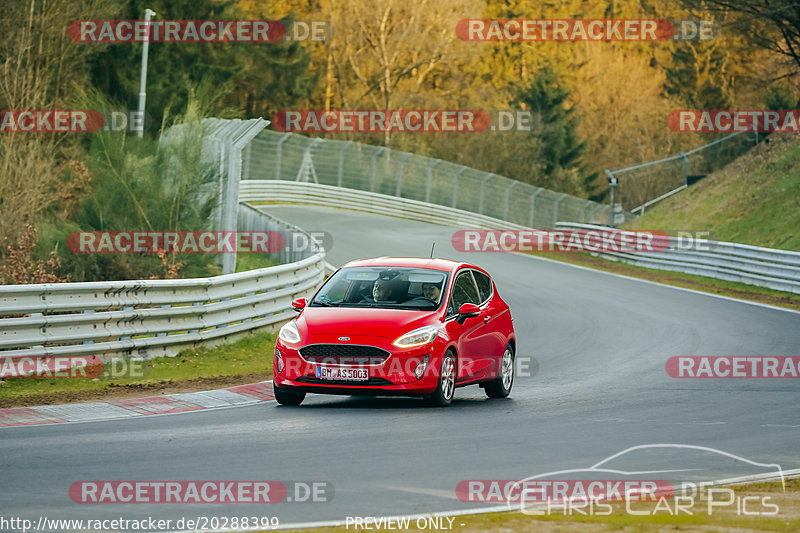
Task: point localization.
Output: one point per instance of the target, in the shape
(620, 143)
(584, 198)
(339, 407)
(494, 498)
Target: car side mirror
(466, 311)
(298, 304)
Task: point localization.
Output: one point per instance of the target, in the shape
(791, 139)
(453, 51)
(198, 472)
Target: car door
(493, 315)
(473, 337)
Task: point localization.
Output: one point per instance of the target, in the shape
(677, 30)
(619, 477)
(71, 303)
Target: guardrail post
(533, 202)
(374, 167)
(399, 175)
(278, 153)
(483, 186)
(507, 198)
(87, 312)
(341, 162)
(455, 185)
(430, 177)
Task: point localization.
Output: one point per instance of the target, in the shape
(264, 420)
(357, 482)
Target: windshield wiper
(326, 304)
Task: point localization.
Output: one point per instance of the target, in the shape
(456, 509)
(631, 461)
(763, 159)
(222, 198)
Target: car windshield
(384, 288)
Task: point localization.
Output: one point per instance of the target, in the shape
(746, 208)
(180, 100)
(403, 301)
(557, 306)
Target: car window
(464, 291)
(384, 287)
(484, 284)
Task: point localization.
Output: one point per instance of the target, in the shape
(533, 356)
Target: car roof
(413, 262)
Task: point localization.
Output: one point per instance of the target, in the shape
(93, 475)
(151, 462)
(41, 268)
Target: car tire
(500, 387)
(287, 396)
(445, 390)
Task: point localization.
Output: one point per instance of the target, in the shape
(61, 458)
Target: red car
(398, 326)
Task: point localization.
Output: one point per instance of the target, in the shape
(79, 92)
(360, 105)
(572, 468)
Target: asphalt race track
(600, 341)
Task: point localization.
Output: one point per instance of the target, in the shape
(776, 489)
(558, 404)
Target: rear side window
(464, 291)
(484, 285)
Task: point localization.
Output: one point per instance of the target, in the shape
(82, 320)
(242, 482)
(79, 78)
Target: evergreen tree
(560, 146)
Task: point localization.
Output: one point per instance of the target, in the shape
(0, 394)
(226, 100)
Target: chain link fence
(641, 186)
(291, 157)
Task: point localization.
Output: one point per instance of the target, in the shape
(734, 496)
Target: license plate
(343, 374)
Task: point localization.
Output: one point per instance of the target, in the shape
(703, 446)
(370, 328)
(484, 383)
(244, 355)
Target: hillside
(754, 200)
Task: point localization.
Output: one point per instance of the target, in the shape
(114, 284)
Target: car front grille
(344, 354)
(372, 382)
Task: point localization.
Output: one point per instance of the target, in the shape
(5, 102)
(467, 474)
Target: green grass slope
(754, 200)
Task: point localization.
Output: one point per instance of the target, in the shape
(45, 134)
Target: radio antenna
(432, 247)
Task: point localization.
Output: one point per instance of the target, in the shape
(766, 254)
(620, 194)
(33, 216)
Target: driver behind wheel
(382, 290)
(431, 291)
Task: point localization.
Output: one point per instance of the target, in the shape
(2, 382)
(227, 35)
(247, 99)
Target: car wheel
(443, 395)
(500, 387)
(287, 396)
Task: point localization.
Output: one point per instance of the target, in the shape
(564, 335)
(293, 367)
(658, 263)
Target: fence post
(345, 146)
(480, 199)
(399, 172)
(597, 208)
(278, 153)
(555, 207)
(533, 201)
(307, 166)
(374, 167)
(430, 177)
(221, 185)
(507, 198)
(685, 168)
(246, 169)
(612, 184)
(583, 211)
(455, 185)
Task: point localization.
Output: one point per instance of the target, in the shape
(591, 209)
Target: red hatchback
(398, 326)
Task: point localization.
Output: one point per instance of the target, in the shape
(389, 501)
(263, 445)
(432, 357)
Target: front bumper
(393, 376)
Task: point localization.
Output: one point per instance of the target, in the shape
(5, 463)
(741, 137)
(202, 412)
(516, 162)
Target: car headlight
(289, 333)
(418, 337)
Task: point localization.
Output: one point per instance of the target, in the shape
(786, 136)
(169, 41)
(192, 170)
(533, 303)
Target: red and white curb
(134, 407)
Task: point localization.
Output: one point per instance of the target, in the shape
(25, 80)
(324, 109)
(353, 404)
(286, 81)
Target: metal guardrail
(368, 202)
(765, 267)
(754, 265)
(150, 318)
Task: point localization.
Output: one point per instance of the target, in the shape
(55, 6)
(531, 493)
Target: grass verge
(245, 361)
(658, 518)
(732, 289)
(753, 200)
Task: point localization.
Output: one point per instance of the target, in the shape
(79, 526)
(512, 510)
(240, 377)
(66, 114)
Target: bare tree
(38, 65)
(390, 46)
(772, 24)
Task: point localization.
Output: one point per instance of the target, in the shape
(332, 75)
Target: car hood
(388, 323)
